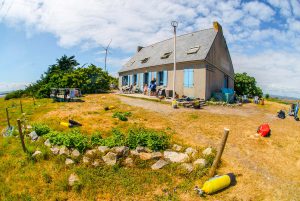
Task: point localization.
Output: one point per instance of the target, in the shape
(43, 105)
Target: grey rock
(64, 151)
(145, 156)
(121, 151)
(176, 157)
(110, 158)
(187, 167)
(75, 153)
(159, 164)
(96, 163)
(201, 162)
(33, 136)
(128, 162)
(191, 152)
(90, 152)
(69, 161)
(207, 151)
(73, 178)
(140, 149)
(103, 149)
(177, 147)
(85, 159)
(156, 155)
(36, 153)
(55, 150)
(148, 150)
(134, 152)
(47, 143)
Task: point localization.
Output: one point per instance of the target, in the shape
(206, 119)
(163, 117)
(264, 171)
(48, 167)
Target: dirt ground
(266, 168)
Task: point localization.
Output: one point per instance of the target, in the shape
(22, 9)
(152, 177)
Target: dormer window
(132, 63)
(145, 60)
(166, 55)
(193, 50)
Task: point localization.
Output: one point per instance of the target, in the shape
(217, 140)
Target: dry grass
(266, 167)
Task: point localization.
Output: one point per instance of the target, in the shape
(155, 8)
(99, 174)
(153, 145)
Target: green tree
(246, 85)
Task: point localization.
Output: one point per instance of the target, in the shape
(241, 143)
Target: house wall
(199, 88)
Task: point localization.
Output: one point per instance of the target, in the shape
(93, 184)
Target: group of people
(151, 90)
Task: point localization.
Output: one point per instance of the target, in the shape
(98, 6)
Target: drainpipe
(174, 24)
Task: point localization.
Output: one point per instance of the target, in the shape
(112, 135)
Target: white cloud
(11, 86)
(249, 27)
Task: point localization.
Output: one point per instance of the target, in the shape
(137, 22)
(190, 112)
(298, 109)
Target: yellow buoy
(216, 183)
(64, 124)
(111, 107)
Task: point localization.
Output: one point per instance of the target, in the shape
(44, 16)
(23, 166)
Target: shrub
(41, 129)
(96, 139)
(73, 139)
(116, 139)
(14, 94)
(122, 115)
(147, 138)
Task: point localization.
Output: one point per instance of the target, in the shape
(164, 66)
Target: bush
(122, 115)
(73, 139)
(267, 96)
(14, 94)
(41, 129)
(96, 139)
(147, 138)
(116, 139)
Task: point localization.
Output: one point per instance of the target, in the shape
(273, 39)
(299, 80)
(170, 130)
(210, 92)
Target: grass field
(266, 168)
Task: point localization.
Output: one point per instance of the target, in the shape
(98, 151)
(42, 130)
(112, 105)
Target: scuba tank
(216, 183)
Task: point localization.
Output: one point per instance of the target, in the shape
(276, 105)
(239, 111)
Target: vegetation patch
(122, 115)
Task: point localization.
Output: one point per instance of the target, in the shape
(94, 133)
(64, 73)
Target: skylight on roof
(145, 60)
(166, 55)
(132, 63)
(193, 50)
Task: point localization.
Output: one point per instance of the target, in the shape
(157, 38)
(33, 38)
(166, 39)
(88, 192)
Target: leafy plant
(41, 129)
(116, 139)
(122, 115)
(246, 85)
(96, 139)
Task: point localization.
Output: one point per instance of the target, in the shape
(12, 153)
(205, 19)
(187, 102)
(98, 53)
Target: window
(162, 78)
(135, 78)
(166, 55)
(189, 78)
(145, 60)
(125, 80)
(193, 50)
(146, 78)
(132, 63)
(225, 81)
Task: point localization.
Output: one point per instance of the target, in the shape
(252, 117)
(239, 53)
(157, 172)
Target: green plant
(122, 115)
(116, 139)
(47, 177)
(14, 94)
(41, 129)
(246, 85)
(96, 139)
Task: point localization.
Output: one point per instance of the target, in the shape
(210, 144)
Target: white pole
(174, 70)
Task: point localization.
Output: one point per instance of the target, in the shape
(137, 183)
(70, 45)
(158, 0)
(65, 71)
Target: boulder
(145, 156)
(33, 136)
(55, 150)
(176, 147)
(159, 164)
(201, 162)
(148, 150)
(156, 155)
(64, 151)
(96, 162)
(73, 178)
(128, 162)
(191, 152)
(140, 149)
(47, 143)
(75, 153)
(134, 153)
(110, 158)
(85, 159)
(103, 149)
(69, 161)
(90, 152)
(176, 157)
(120, 151)
(188, 167)
(207, 151)
(36, 153)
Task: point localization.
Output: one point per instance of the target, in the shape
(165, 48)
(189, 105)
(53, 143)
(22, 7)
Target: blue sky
(263, 36)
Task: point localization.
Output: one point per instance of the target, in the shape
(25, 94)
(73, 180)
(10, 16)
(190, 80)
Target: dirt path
(267, 166)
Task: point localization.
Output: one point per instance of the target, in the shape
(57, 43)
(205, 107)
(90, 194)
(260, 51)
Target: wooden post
(7, 117)
(21, 136)
(21, 107)
(219, 154)
(33, 100)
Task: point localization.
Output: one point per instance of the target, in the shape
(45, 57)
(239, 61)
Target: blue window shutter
(186, 78)
(165, 78)
(154, 75)
(141, 81)
(191, 78)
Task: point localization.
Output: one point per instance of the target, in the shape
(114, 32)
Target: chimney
(139, 48)
(217, 27)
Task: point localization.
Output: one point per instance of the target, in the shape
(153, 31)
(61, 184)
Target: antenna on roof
(106, 51)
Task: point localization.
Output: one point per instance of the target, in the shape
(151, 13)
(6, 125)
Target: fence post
(21, 107)
(33, 100)
(7, 117)
(21, 136)
(219, 153)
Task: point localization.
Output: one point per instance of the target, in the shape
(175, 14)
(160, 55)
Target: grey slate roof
(202, 38)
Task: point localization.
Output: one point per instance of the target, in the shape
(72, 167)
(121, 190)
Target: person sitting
(145, 89)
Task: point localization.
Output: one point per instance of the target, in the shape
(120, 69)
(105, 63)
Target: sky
(262, 36)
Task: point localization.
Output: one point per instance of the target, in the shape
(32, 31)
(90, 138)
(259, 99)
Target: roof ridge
(176, 37)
